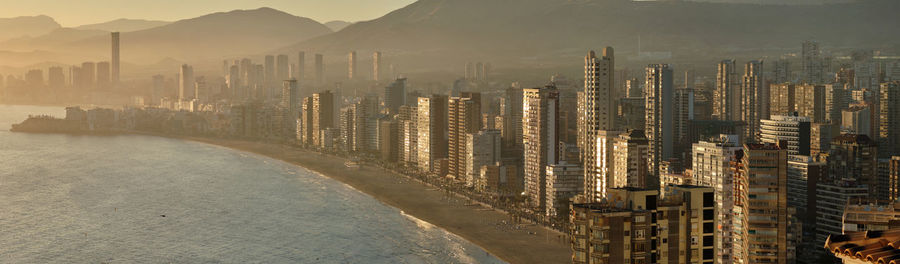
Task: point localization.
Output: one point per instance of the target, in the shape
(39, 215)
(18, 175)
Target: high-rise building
(564, 181)
(599, 229)
(782, 98)
(409, 137)
(186, 83)
(832, 196)
(810, 102)
(115, 70)
(761, 220)
(463, 117)
(269, 70)
(482, 149)
(782, 71)
(894, 178)
(320, 69)
(388, 137)
(754, 98)
(305, 130)
(856, 157)
(300, 73)
(633, 88)
(684, 113)
(351, 66)
(889, 118)
(857, 120)
(659, 130)
(511, 110)
(540, 117)
(88, 75)
(803, 174)
(282, 68)
(599, 114)
(432, 129)
(55, 78)
(794, 130)
(820, 137)
(290, 100)
(395, 95)
(726, 97)
(836, 99)
(103, 81)
(712, 167)
(603, 179)
(630, 153)
(376, 66)
(813, 63)
(322, 114)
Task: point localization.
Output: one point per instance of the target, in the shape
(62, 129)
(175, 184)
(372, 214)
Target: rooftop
(868, 246)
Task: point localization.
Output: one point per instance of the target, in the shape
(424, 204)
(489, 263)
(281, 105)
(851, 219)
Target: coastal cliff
(47, 124)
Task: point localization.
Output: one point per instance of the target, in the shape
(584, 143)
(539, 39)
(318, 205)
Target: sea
(144, 199)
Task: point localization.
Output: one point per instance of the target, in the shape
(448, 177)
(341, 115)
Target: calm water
(86, 199)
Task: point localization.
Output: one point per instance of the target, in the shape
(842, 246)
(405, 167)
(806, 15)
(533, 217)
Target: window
(708, 214)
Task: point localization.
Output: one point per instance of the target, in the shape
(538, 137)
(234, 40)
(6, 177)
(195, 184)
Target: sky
(80, 12)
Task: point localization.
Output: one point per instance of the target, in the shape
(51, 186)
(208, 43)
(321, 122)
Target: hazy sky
(79, 12)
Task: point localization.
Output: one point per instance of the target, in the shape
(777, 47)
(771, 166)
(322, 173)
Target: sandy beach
(481, 226)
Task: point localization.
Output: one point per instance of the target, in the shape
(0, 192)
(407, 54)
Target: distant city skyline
(99, 11)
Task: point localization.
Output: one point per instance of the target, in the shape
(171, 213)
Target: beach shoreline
(475, 223)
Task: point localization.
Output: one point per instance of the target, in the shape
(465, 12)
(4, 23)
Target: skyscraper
(813, 63)
(103, 81)
(659, 95)
(540, 117)
(630, 153)
(760, 206)
(300, 72)
(599, 105)
(712, 166)
(186, 83)
(270, 70)
(290, 100)
(482, 149)
(782, 98)
(726, 98)
(322, 115)
(432, 130)
(463, 117)
(55, 78)
(395, 95)
(351, 62)
(115, 58)
(376, 66)
(754, 98)
(792, 129)
(320, 69)
(88, 75)
(856, 157)
(782, 71)
(511, 110)
(889, 118)
(282, 68)
(810, 102)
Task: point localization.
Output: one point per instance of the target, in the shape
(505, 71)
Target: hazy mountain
(53, 40)
(337, 25)
(124, 25)
(26, 26)
(527, 31)
(213, 36)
